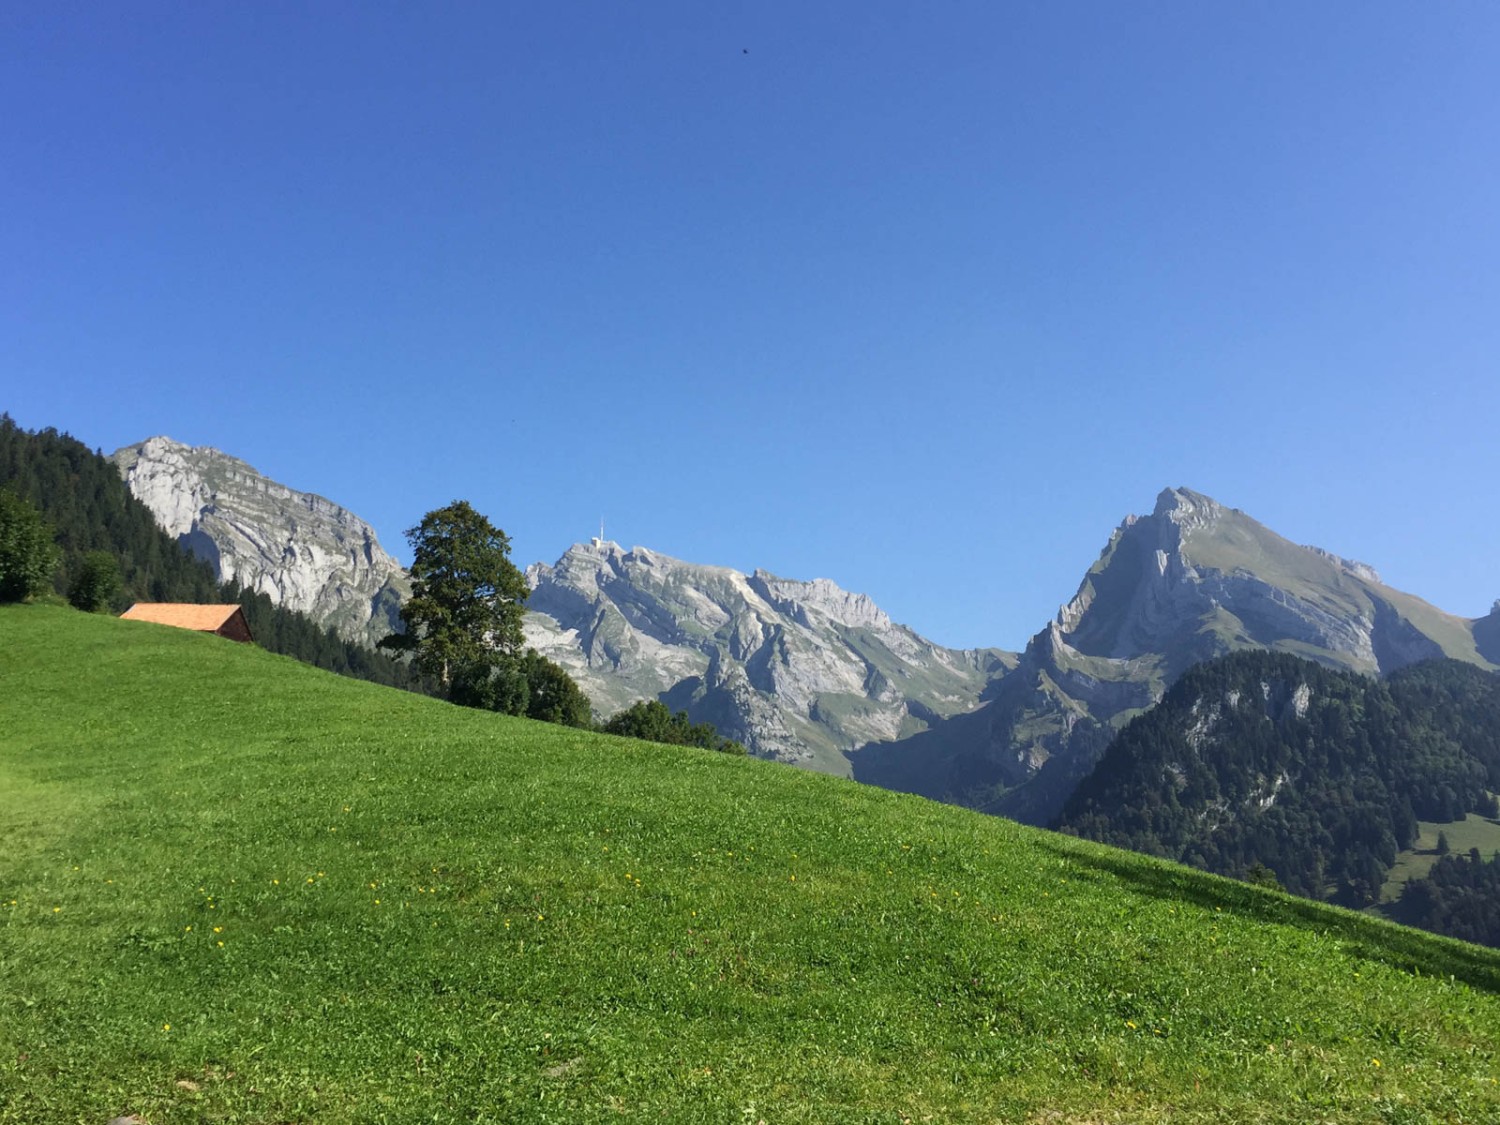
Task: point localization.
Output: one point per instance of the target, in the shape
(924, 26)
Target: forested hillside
(1262, 760)
(82, 496)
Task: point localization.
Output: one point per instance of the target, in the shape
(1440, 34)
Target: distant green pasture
(1474, 831)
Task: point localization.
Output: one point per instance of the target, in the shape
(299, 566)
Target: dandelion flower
(166, 1027)
(1374, 1062)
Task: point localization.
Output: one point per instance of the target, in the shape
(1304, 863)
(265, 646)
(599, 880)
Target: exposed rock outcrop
(302, 551)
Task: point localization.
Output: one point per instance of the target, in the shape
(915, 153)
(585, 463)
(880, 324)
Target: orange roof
(184, 615)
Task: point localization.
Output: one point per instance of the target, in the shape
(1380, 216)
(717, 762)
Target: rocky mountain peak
(300, 549)
(802, 671)
(1186, 509)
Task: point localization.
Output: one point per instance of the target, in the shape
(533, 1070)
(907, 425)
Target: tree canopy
(653, 721)
(464, 614)
(97, 584)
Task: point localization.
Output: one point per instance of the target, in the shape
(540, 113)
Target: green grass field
(235, 889)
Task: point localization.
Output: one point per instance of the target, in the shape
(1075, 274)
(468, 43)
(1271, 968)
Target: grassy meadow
(236, 889)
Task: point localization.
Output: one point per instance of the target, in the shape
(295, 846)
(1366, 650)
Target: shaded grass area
(236, 889)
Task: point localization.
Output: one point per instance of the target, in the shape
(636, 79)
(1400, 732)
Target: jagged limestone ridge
(299, 549)
(799, 671)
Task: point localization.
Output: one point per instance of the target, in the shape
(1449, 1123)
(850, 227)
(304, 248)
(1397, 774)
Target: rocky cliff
(798, 671)
(299, 549)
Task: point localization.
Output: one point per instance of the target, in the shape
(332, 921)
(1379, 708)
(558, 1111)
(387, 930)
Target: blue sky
(921, 298)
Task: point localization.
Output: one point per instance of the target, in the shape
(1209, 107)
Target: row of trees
(1459, 896)
(30, 558)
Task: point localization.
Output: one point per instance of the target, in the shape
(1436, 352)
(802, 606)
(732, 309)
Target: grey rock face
(299, 549)
(798, 671)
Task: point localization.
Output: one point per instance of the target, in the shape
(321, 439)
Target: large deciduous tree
(464, 614)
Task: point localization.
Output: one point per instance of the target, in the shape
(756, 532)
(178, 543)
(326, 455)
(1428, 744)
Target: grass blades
(235, 889)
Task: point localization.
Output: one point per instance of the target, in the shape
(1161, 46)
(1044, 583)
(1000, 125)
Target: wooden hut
(221, 620)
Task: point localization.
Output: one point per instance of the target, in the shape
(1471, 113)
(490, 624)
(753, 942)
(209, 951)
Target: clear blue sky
(923, 298)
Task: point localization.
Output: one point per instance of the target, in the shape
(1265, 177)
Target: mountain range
(806, 672)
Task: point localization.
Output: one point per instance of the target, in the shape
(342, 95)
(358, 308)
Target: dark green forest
(80, 494)
(1261, 760)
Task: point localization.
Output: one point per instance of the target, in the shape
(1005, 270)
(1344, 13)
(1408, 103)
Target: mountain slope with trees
(1263, 759)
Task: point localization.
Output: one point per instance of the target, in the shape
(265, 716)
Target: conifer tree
(29, 554)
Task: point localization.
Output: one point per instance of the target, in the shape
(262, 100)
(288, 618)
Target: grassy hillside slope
(233, 888)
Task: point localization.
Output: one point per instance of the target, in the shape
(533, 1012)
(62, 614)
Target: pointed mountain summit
(1196, 579)
(1191, 581)
(302, 551)
(799, 671)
